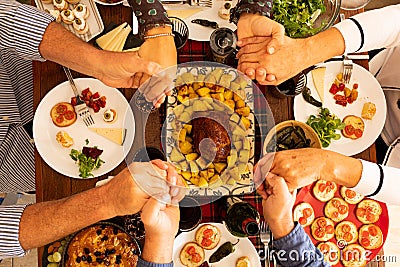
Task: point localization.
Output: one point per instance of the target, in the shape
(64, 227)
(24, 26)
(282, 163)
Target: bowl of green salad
(304, 18)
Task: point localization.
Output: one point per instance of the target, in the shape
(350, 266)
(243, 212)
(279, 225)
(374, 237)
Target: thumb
(277, 183)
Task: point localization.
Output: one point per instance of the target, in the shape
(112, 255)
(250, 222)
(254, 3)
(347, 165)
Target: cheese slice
(182, 13)
(124, 35)
(116, 135)
(108, 38)
(318, 75)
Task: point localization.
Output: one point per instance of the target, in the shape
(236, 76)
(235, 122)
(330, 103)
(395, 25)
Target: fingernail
(250, 72)
(272, 78)
(173, 180)
(261, 72)
(271, 50)
(239, 43)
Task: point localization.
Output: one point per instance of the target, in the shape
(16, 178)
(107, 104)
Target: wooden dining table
(51, 185)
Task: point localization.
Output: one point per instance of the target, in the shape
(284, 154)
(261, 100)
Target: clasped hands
(265, 53)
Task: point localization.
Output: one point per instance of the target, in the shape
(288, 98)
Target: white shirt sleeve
(379, 28)
(370, 179)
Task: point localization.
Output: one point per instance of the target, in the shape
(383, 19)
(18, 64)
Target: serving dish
(240, 140)
(94, 20)
(306, 195)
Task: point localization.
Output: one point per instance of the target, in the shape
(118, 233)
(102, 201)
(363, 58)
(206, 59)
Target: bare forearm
(341, 169)
(323, 46)
(61, 46)
(45, 222)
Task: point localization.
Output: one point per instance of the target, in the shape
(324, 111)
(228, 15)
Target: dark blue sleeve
(297, 250)
(142, 263)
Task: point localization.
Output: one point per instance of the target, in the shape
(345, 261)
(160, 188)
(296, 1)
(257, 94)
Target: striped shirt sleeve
(10, 217)
(26, 26)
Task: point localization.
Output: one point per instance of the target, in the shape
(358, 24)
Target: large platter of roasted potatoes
(209, 130)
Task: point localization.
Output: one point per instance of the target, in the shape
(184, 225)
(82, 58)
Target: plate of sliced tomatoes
(348, 228)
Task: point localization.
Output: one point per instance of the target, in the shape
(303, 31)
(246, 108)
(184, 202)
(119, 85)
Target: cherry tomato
(307, 212)
(348, 237)
(103, 102)
(73, 101)
(69, 115)
(302, 220)
(358, 133)
(96, 107)
(196, 257)
(190, 250)
(355, 86)
(335, 214)
(208, 233)
(365, 242)
(329, 229)
(360, 212)
(370, 217)
(336, 203)
(321, 222)
(60, 119)
(334, 89)
(206, 242)
(349, 129)
(61, 109)
(322, 187)
(332, 186)
(343, 209)
(96, 95)
(333, 256)
(346, 228)
(324, 248)
(365, 234)
(320, 232)
(350, 193)
(372, 230)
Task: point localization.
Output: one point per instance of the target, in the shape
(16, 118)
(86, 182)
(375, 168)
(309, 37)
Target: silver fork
(80, 108)
(265, 236)
(347, 63)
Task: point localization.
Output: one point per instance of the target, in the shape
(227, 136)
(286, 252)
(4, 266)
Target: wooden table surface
(50, 185)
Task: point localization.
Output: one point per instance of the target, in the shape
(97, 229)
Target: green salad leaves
(298, 16)
(87, 160)
(325, 125)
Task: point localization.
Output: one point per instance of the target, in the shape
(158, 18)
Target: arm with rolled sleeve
(10, 217)
(25, 26)
(297, 250)
(370, 30)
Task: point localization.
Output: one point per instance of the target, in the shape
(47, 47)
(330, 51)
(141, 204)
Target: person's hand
(132, 187)
(163, 51)
(277, 207)
(161, 222)
(301, 167)
(118, 69)
(272, 69)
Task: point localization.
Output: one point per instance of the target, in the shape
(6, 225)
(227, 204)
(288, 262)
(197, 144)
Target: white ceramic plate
(56, 156)
(108, 4)
(201, 33)
(369, 90)
(243, 248)
(94, 20)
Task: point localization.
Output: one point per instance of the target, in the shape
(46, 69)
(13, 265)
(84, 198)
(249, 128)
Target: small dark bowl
(191, 214)
(65, 252)
(181, 31)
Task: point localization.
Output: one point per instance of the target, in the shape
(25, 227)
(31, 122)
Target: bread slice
(116, 135)
(318, 75)
(331, 252)
(63, 114)
(323, 229)
(324, 190)
(354, 256)
(350, 196)
(368, 211)
(354, 121)
(336, 209)
(347, 232)
(370, 236)
(298, 213)
(208, 236)
(192, 255)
